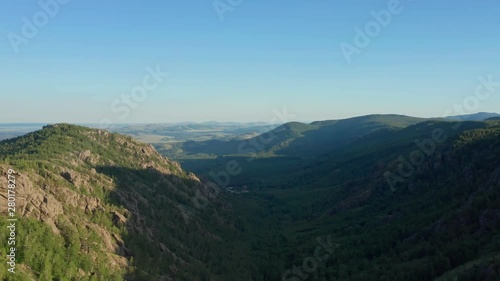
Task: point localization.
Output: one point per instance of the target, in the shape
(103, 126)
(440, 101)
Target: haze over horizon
(83, 63)
(273, 121)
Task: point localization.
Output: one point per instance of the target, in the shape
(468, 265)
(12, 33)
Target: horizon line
(240, 122)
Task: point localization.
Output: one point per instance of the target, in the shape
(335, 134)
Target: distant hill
(297, 138)
(481, 116)
(336, 133)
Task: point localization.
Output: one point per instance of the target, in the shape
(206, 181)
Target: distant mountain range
(296, 137)
(204, 131)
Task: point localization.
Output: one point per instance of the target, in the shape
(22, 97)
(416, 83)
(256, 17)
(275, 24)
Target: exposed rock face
(118, 219)
(73, 177)
(31, 200)
(192, 176)
(91, 204)
(88, 157)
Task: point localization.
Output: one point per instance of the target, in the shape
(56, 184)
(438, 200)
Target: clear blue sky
(263, 55)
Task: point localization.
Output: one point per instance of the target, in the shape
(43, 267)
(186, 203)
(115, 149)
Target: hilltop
(480, 116)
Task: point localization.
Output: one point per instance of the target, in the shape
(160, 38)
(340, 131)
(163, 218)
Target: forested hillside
(415, 203)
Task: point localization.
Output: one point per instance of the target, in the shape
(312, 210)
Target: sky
(88, 61)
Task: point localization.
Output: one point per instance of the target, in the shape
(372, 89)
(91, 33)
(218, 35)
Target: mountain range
(378, 197)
